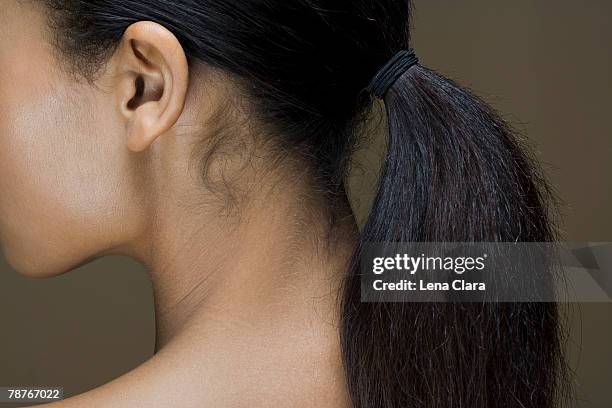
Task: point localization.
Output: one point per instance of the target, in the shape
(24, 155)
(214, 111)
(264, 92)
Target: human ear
(151, 82)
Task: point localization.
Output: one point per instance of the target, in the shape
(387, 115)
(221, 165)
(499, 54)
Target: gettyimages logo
(412, 264)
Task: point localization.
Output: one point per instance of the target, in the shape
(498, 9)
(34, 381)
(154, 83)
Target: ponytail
(454, 172)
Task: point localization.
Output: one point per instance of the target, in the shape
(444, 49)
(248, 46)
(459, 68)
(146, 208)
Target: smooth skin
(246, 298)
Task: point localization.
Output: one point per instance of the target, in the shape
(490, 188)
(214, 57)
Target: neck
(270, 260)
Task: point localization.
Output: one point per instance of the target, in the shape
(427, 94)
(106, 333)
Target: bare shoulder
(261, 370)
(151, 384)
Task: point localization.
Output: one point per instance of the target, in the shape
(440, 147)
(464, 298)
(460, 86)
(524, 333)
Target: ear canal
(144, 92)
(136, 100)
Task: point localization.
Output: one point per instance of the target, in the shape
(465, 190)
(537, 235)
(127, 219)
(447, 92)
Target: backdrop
(546, 65)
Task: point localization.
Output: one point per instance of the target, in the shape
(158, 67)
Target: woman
(209, 140)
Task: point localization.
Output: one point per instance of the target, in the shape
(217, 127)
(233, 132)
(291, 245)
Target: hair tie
(391, 71)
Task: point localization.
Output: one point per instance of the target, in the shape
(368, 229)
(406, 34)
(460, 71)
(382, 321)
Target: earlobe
(151, 82)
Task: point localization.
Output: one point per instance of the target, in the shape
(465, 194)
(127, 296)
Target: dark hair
(454, 172)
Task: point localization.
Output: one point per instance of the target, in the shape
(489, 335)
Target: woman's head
(89, 89)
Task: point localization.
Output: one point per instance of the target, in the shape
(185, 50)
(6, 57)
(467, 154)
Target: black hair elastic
(391, 71)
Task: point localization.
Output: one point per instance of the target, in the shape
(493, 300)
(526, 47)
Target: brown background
(547, 65)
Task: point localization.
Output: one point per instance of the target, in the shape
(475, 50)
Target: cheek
(61, 191)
